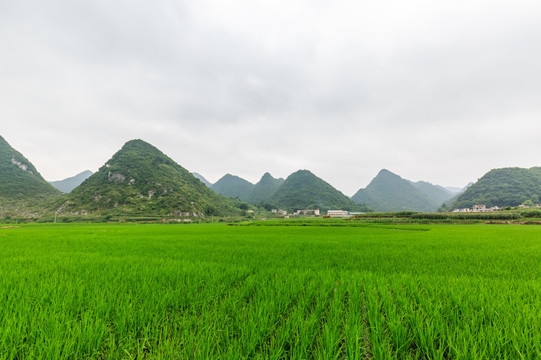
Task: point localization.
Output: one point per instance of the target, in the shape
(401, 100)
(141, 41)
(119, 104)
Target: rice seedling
(211, 291)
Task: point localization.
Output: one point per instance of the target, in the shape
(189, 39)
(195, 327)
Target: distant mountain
(233, 187)
(304, 190)
(437, 194)
(390, 192)
(446, 206)
(264, 189)
(454, 189)
(139, 179)
(203, 180)
(67, 185)
(21, 185)
(503, 187)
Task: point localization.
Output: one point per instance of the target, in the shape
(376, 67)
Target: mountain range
(140, 179)
(302, 190)
(255, 194)
(389, 192)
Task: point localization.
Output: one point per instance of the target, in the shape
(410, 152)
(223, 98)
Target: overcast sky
(440, 91)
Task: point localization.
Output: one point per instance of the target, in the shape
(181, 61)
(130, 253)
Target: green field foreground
(212, 291)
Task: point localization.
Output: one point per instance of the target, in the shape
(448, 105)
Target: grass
(115, 291)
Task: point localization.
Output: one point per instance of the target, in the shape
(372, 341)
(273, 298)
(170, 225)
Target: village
(315, 212)
(483, 208)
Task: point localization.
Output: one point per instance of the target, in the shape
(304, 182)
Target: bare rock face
(21, 166)
(116, 177)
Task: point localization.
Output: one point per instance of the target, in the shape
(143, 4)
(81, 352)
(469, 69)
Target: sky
(439, 91)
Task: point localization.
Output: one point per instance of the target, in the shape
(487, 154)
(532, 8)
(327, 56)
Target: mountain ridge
(390, 192)
(68, 184)
(264, 189)
(503, 187)
(233, 186)
(19, 177)
(140, 179)
(304, 190)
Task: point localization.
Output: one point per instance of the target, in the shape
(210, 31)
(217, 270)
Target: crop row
(113, 292)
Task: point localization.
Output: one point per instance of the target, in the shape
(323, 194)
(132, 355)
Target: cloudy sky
(440, 91)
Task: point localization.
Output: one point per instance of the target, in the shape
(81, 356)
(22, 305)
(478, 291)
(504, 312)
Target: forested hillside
(503, 187)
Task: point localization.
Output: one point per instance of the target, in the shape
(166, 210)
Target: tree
(528, 203)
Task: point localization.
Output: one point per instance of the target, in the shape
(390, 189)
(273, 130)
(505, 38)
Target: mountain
(447, 205)
(233, 187)
(202, 179)
(67, 185)
(454, 189)
(264, 189)
(390, 192)
(437, 194)
(21, 185)
(503, 187)
(304, 190)
(140, 179)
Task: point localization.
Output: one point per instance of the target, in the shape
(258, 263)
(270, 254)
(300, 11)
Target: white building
(337, 213)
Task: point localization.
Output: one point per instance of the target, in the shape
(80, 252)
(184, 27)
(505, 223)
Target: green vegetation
(390, 192)
(139, 180)
(233, 187)
(503, 187)
(22, 189)
(263, 191)
(202, 179)
(449, 217)
(301, 292)
(304, 190)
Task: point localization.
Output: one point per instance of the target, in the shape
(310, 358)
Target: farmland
(126, 291)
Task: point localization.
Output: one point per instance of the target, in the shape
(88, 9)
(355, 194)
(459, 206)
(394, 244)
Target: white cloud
(342, 88)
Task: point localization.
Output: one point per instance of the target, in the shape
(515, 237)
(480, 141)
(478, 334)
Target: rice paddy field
(212, 291)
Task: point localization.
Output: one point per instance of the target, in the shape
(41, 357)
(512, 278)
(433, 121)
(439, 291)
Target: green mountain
(503, 187)
(22, 188)
(264, 189)
(202, 179)
(140, 179)
(67, 185)
(390, 192)
(304, 190)
(233, 187)
(437, 194)
(446, 206)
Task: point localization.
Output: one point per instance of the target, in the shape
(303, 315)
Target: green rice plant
(211, 291)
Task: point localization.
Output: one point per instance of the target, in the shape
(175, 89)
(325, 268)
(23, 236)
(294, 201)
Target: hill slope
(140, 179)
(503, 187)
(202, 179)
(390, 192)
(264, 189)
(233, 186)
(67, 185)
(437, 194)
(21, 185)
(304, 190)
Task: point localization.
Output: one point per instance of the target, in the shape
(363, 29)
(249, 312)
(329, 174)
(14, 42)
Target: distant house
(478, 208)
(279, 211)
(315, 212)
(337, 213)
